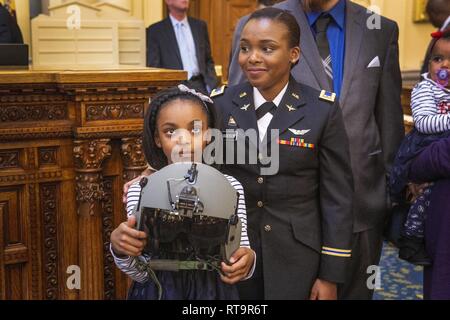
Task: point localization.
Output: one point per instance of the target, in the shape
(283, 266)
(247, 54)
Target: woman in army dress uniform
(299, 219)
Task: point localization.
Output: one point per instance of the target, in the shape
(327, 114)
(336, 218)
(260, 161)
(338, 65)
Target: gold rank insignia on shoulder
(217, 92)
(296, 96)
(242, 95)
(245, 107)
(327, 96)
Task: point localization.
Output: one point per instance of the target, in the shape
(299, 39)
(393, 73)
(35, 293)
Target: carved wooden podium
(68, 141)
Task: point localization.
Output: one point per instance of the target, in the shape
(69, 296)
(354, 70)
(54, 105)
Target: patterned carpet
(399, 279)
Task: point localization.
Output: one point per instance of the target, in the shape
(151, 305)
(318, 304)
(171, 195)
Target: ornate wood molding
(115, 95)
(109, 132)
(48, 156)
(25, 178)
(89, 156)
(28, 113)
(108, 227)
(31, 158)
(16, 254)
(9, 159)
(133, 158)
(35, 225)
(118, 111)
(57, 131)
(37, 92)
(53, 132)
(50, 256)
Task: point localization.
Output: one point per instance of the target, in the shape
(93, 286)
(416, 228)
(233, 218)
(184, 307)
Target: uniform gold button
(260, 180)
(260, 204)
(268, 228)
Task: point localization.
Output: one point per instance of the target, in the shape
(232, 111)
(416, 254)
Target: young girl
(299, 219)
(173, 114)
(430, 105)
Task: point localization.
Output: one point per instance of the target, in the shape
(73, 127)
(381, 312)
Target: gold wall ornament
(420, 14)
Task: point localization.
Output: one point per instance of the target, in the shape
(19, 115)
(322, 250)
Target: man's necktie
(323, 45)
(185, 50)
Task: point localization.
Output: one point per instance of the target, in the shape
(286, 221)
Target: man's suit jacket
(163, 50)
(370, 102)
(9, 30)
(235, 75)
(300, 219)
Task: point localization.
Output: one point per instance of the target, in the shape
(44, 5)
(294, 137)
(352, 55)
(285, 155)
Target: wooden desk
(68, 141)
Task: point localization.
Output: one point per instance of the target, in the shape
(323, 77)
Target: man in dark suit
(182, 43)
(9, 30)
(362, 67)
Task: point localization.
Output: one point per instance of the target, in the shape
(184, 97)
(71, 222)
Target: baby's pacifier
(443, 76)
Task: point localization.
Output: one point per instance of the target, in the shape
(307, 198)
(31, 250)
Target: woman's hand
(127, 241)
(415, 190)
(127, 185)
(241, 264)
(323, 290)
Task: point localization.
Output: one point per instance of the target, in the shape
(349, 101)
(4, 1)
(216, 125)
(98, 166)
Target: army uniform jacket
(300, 219)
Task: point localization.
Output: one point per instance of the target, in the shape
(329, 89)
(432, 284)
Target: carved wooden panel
(15, 279)
(14, 243)
(9, 159)
(67, 143)
(35, 235)
(108, 226)
(111, 111)
(49, 207)
(48, 156)
(33, 112)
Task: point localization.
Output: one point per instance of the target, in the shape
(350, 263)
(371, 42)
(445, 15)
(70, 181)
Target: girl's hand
(323, 290)
(127, 241)
(242, 262)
